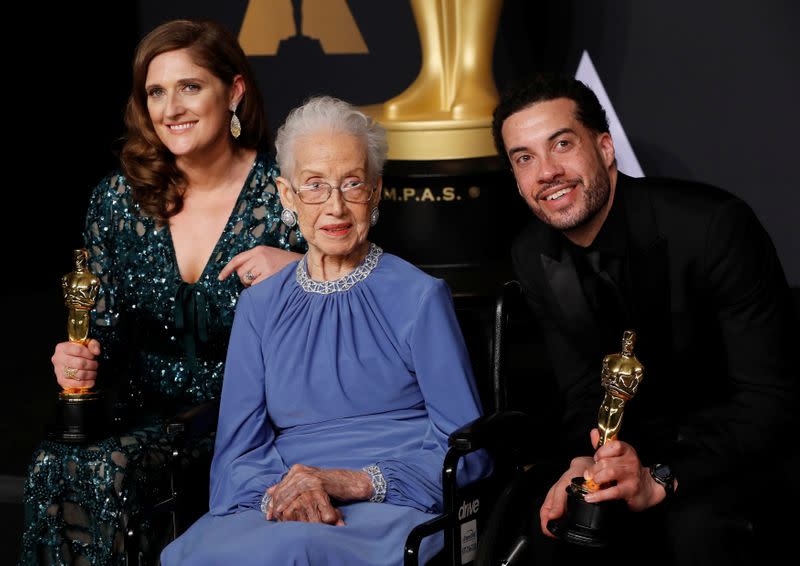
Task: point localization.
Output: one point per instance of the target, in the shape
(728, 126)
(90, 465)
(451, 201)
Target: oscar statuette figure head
(621, 375)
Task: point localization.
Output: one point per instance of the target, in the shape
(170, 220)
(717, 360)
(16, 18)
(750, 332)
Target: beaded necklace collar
(343, 283)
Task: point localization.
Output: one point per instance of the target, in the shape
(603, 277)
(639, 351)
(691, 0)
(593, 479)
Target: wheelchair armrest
(195, 422)
(498, 431)
(414, 539)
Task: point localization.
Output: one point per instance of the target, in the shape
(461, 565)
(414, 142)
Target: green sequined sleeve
(103, 224)
(267, 228)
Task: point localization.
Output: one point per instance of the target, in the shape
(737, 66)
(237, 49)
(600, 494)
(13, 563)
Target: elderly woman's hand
(344, 485)
(258, 263)
(312, 506)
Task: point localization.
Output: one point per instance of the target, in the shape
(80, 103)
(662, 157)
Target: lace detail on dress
(266, 499)
(378, 483)
(343, 283)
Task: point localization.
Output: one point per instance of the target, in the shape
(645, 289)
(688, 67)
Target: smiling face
(564, 171)
(335, 229)
(189, 106)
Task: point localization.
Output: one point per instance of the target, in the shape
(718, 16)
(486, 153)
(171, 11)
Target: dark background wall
(705, 91)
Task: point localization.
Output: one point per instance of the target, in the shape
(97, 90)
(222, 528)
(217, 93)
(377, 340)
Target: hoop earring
(374, 215)
(289, 218)
(236, 125)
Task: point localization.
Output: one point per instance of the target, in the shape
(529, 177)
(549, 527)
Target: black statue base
(586, 524)
(454, 219)
(79, 418)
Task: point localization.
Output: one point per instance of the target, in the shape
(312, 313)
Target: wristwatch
(662, 474)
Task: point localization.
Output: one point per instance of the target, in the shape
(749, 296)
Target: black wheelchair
(477, 531)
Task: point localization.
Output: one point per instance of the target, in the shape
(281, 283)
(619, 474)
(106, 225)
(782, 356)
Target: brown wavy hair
(149, 166)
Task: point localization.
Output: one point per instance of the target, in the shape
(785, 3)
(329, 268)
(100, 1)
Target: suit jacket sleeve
(747, 289)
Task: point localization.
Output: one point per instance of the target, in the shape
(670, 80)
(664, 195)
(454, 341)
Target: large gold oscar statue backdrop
(446, 112)
(445, 189)
(325, 25)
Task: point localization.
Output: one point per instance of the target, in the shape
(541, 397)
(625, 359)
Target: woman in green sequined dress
(191, 219)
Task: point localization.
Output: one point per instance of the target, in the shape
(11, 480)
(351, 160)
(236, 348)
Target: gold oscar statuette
(80, 288)
(621, 375)
(591, 524)
(78, 409)
(446, 113)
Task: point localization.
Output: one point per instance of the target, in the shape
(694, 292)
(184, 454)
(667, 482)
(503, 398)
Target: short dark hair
(544, 87)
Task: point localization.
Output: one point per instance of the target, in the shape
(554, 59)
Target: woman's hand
(258, 263)
(344, 485)
(312, 506)
(75, 365)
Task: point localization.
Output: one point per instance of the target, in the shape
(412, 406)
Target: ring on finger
(250, 276)
(70, 373)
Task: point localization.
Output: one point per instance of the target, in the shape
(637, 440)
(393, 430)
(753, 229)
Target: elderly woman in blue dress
(333, 431)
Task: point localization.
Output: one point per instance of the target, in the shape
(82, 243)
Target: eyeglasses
(352, 191)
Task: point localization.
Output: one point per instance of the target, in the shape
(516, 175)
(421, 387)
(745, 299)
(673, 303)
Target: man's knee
(701, 532)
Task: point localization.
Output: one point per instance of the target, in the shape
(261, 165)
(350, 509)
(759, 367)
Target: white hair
(327, 112)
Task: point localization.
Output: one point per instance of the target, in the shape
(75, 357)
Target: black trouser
(708, 528)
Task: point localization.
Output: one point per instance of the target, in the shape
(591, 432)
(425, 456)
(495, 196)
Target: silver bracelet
(266, 499)
(378, 483)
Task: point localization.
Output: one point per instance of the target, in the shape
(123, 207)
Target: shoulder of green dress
(266, 167)
(114, 184)
(112, 199)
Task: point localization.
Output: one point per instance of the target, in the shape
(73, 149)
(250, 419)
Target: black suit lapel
(566, 294)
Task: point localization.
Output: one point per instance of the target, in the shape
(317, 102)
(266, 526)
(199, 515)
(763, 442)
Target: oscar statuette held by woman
(79, 410)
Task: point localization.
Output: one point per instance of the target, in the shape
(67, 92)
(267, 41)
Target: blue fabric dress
(369, 370)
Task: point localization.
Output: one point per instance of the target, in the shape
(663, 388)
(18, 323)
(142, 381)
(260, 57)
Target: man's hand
(617, 461)
(555, 504)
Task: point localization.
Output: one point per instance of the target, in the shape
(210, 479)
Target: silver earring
(236, 125)
(374, 216)
(288, 217)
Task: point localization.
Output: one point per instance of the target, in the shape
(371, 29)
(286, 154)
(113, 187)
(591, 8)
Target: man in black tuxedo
(691, 270)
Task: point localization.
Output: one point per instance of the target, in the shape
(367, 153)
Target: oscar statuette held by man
(591, 524)
(79, 413)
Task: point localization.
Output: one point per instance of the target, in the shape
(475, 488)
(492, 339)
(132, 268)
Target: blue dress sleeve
(447, 384)
(246, 461)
